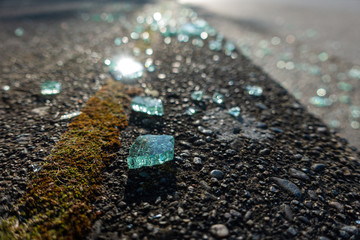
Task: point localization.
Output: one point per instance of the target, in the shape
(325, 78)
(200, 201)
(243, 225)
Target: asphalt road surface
(245, 166)
(305, 45)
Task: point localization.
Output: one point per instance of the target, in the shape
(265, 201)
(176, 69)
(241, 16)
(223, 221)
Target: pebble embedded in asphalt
(217, 174)
(288, 186)
(219, 230)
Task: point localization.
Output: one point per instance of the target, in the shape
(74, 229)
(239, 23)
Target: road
(308, 46)
(244, 165)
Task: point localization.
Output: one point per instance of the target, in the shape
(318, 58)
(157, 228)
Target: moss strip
(57, 204)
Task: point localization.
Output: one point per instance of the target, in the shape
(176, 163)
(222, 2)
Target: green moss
(57, 204)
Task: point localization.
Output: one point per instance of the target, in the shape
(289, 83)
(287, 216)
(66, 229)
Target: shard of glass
(150, 150)
(148, 105)
(254, 90)
(235, 111)
(197, 95)
(50, 88)
(218, 98)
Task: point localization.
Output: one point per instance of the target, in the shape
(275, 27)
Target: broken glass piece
(334, 123)
(345, 99)
(323, 56)
(254, 90)
(6, 88)
(148, 105)
(321, 92)
(150, 150)
(235, 111)
(168, 31)
(320, 101)
(36, 167)
(149, 65)
(354, 73)
(117, 41)
(126, 69)
(197, 95)
(149, 51)
(355, 124)
(183, 38)
(19, 32)
(215, 45)
(50, 88)
(70, 115)
(355, 111)
(218, 98)
(229, 48)
(107, 62)
(347, 87)
(198, 42)
(192, 29)
(190, 111)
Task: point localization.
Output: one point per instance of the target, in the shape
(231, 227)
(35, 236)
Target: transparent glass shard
(320, 101)
(126, 69)
(229, 48)
(50, 88)
(191, 29)
(215, 45)
(218, 98)
(190, 111)
(197, 95)
(148, 105)
(347, 87)
(254, 90)
(70, 115)
(150, 150)
(19, 32)
(235, 111)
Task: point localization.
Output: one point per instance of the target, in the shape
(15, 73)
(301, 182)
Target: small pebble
(292, 231)
(217, 174)
(298, 174)
(265, 151)
(219, 230)
(337, 205)
(318, 167)
(288, 186)
(261, 125)
(197, 161)
(350, 229)
(288, 213)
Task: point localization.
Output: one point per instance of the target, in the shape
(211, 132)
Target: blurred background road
(310, 47)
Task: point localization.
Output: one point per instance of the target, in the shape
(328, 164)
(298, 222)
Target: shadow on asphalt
(151, 183)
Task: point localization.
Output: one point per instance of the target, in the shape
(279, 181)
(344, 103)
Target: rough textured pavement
(277, 172)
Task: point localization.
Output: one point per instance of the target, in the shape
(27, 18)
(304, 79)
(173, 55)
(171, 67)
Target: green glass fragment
(235, 111)
(321, 101)
(190, 111)
(215, 45)
(218, 98)
(192, 29)
(148, 105)
(150, 150)
(347, 87)
(254, 90)
(126, 68)
(50, 88)
(197, 95)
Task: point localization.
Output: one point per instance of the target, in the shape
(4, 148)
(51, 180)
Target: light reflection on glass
(126, 68)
